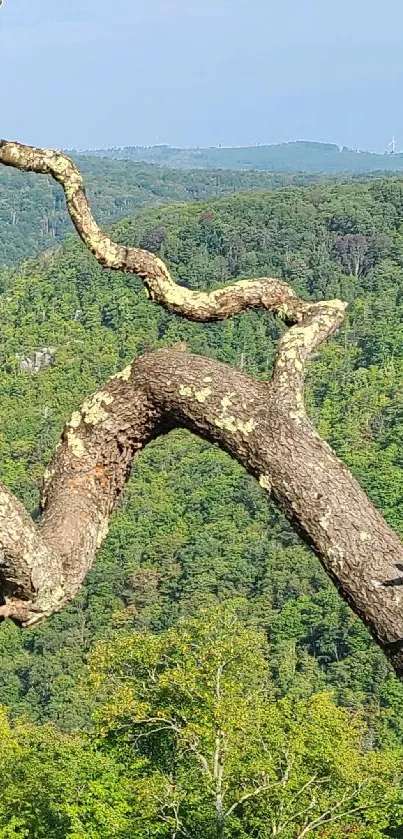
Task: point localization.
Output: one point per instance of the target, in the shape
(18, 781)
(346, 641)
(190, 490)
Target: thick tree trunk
(263, 426)
(257, 426)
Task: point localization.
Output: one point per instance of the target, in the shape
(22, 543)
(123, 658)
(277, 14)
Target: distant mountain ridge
(297, 156)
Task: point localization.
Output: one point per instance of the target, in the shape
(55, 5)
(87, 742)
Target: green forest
(33, 217)
(208, 681)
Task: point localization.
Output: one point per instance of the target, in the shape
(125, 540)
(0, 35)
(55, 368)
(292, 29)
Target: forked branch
(263, 426)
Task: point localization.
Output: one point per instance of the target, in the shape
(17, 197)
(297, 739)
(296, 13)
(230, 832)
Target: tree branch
(266, 292)
(316, 321)
(330, 815)
(319, 322)
(251, 794)
(263, 426)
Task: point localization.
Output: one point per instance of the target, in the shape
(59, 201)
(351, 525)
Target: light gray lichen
(124, 374)
(92, 409)
(265, 482)
(191, 392)
(102, 531)
(75, 419)
(75, 444)
(229, 422)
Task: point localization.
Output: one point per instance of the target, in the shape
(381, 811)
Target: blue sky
(91, 73)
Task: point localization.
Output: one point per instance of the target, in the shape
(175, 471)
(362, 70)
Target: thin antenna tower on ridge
(392, 145)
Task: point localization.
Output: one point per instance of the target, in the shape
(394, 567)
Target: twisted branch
(317, 320)
(263, 425)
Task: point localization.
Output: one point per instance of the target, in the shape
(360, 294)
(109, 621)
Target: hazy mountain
(299, 156)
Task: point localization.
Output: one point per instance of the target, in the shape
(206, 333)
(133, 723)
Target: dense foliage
(197, 702)
(188, 741)
(194, 531)
(300, 156)
(33, 216)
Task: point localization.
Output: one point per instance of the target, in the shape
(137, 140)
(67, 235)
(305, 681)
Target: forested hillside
(33, 216)
(299, 156)
(193, 531)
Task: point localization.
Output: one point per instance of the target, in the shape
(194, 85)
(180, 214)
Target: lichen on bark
(263, 425)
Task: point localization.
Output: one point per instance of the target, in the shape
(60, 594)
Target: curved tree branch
(264, 426)
(267, 293)
(279, 447)
(317, 320)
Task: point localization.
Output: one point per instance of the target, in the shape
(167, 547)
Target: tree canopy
(188, 740)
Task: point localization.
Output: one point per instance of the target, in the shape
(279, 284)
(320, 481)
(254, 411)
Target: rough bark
(264, 426)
